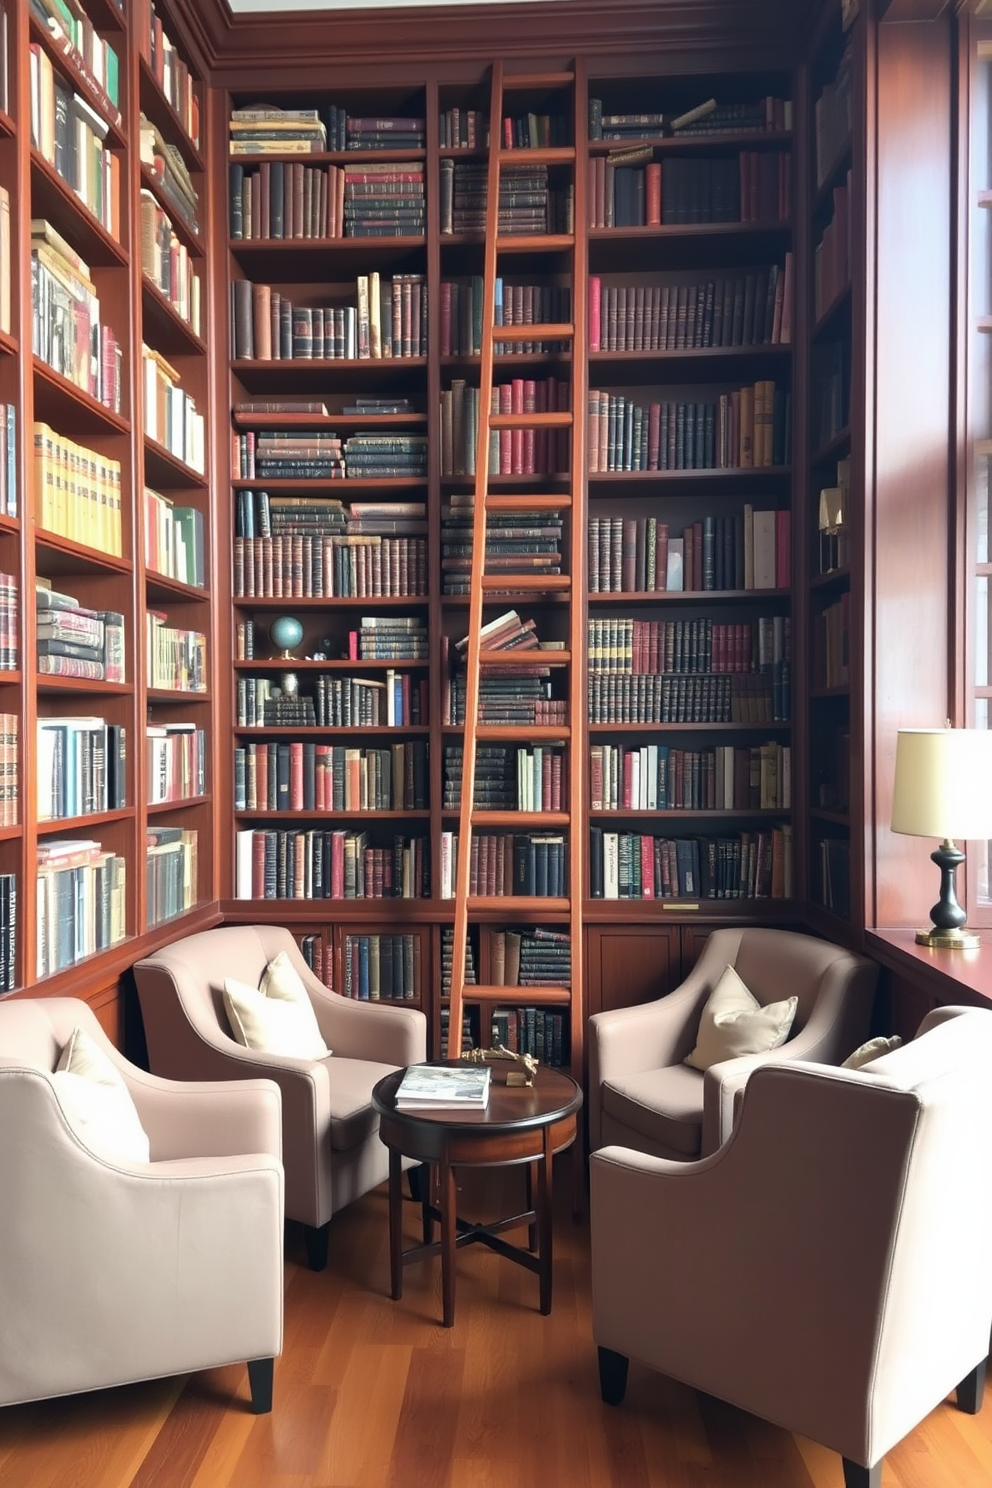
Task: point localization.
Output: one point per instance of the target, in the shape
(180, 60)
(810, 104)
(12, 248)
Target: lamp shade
(943, 785)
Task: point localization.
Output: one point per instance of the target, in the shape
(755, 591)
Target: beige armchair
(331, 1147)
(827, 1268)
(117, 1270)
(642, 1094)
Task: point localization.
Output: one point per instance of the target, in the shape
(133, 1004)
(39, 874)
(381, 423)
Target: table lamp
(943, 788)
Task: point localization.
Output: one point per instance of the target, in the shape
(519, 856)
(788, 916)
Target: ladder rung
(527, 733)
(516, 993)
(519, 819)
(550, 583)
(545, 331)
(531, 656)
(530, 421)
(504, 503)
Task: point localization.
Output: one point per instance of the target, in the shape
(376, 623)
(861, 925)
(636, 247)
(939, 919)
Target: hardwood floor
(371, 1393)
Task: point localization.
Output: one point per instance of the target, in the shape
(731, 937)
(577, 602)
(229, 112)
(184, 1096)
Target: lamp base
(949, 940)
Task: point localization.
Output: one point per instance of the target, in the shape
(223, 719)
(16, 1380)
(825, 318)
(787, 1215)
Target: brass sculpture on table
(523, 1076)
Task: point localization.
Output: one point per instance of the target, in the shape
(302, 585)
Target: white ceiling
(266, 7)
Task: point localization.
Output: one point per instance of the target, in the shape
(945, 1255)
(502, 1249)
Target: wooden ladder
(560, 588)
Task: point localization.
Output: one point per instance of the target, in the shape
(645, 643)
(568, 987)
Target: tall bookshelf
(79, 807)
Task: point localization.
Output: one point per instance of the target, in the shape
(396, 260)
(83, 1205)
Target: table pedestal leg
(395, 1223)
(448, 1198)
(544, 1218)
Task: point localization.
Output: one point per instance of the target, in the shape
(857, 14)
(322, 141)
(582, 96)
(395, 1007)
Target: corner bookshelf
(78, 451)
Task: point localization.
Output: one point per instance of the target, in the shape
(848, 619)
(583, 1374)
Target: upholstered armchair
(643, 1095)
(331, 1148)
(827, 1268)
(141, 1242)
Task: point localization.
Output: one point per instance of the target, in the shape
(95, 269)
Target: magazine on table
(426, 1086)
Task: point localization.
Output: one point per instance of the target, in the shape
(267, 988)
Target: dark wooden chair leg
(856, 1476)
(260, 1373)
(316, 1238)
(971, 1390)
(612, 1376)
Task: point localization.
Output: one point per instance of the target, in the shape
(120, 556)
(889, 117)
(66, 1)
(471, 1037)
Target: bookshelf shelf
(160, 808)
(163, 468)
(183, 228)
(51, 198)
(165, 327)
(87, 820)
(8, 344)
(8, 126)
(76, 412)
(83, 686)
(60, 555)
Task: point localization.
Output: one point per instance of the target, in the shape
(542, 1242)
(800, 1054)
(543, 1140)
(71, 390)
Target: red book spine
(595, 306)
(647, 864)
(652, 194)
(296, 776)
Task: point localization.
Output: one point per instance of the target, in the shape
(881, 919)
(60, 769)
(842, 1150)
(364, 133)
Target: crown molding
(763, 34)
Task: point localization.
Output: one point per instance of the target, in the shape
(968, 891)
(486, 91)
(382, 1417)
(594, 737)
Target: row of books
(660, 777)
(286, 199)
(345, 567)
(171, 73)
(81, 766)
(447, 951)
(530, 957)
(832, 254)
(74, 34)
(832, 644)
(167, 262)
(81, 902)
(746, 428)
(536, 451)
(8, 932)
(749, 550)
(507, 777)
(509, 695)
(748, 865)
(170, 873)
(177, 658)
(460, 314)
(175, 762)
(166, 165)
(77, 491)
(768, 115)
(329, 864)
(303, 775)
(73, 641)
(716, 697)
(535, 131)
(389, 638)
(9, 777)
(745, 308)
(538, 1031)
(832, 117)
(507, 864)
(463, 128)
(515, 542)
(387, 320)
(66, 329)
(620, 644)
(382, 968)
(175, 543)
(9, 499)
(268, 126)
(171, 416)
(9, 624)
(397, 701)
(528, 205)
(70, 133)
(753, 187)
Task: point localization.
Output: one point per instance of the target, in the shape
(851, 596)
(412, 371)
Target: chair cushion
(873, 1049)
(734, 1022)
(97, 1103)
(665, 1105)
(278, 1016)
(352, 1118)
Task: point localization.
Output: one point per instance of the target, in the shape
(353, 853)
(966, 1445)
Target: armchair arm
(366, 1030)
(186, 1119)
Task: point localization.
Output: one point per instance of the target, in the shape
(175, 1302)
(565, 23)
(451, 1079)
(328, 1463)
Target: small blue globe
(285, 632)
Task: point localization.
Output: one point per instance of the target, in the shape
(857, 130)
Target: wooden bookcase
(75, 515)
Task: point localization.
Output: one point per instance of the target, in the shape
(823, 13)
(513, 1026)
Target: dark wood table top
(553, 1097)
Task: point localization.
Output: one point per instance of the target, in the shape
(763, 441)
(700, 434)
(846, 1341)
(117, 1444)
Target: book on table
(427, 1087)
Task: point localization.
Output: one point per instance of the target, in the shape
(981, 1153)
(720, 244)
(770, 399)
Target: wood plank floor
(371, 1393)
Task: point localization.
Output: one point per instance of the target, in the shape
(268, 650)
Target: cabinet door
(629, 964)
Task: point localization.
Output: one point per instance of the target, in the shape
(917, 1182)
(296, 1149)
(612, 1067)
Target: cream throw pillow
(278, 1016)
(97, 1103)
(873, 1049)
(734, 1023)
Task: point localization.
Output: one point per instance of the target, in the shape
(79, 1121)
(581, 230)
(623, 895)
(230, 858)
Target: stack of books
(270, 130)
(426, 1087)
